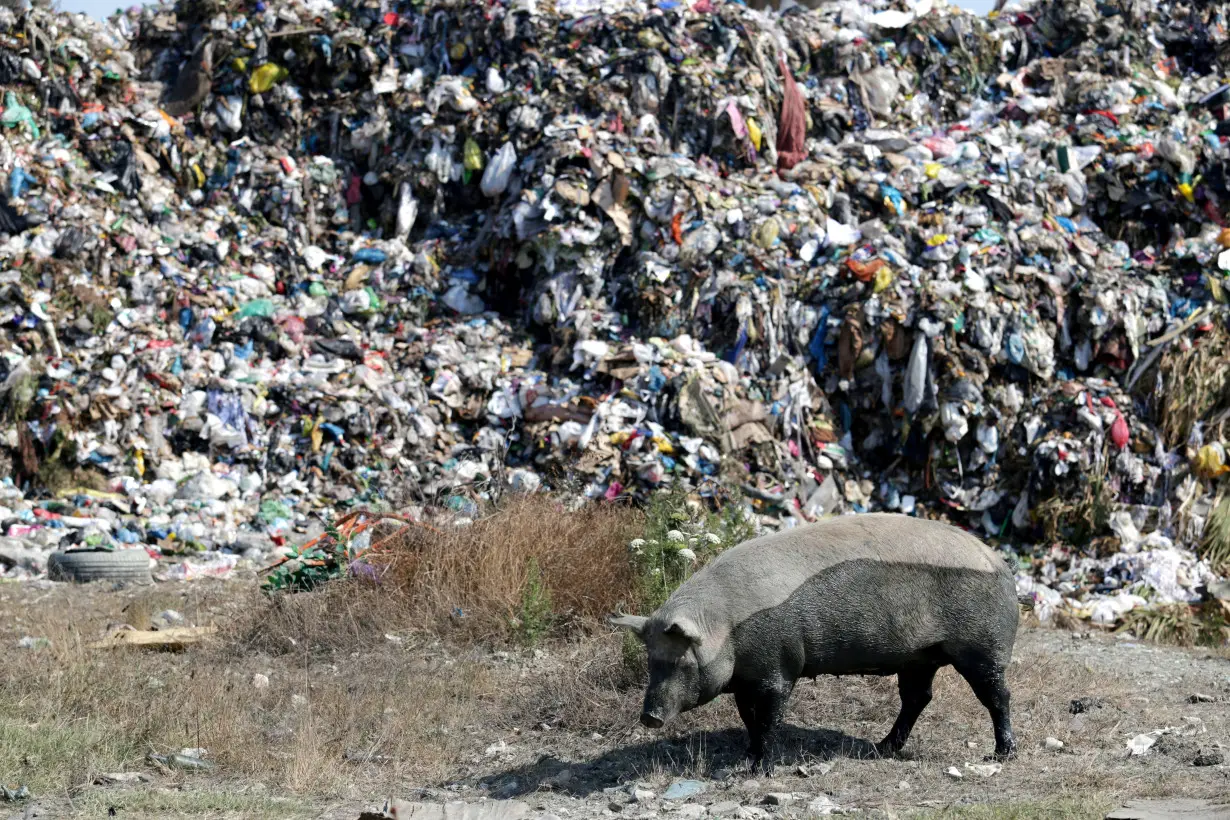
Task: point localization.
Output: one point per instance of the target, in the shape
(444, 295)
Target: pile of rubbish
(265, 262)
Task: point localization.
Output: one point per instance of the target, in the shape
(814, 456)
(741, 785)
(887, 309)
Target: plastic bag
(16, 114)
(916, 375)
(792, 125)
(125, 166)
(407, 210)
(499, 171)
(265, 77)
(472, 155)
(71, 243)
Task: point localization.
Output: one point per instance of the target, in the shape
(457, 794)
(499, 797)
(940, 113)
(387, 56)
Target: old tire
(100, 565)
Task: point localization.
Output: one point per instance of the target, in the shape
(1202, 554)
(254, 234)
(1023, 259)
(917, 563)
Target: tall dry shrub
(487, 578)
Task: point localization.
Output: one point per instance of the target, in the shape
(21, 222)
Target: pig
(866, 594)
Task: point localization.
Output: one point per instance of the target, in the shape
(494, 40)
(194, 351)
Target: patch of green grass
(1056, 808)
(40, 755)
(534, 618)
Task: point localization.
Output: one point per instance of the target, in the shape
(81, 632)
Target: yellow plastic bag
(767, 233)
(884, 278)
(266, 76)
(753, 131)
(1211, 461)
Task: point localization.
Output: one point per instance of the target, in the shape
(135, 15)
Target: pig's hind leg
(914, 686)
(986, 678)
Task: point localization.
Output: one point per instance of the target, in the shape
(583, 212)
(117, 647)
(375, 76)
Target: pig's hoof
(758, 765)
(1001, 756)
(881, 750)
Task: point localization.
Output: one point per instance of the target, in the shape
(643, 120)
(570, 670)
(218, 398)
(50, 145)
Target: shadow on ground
(688, 755)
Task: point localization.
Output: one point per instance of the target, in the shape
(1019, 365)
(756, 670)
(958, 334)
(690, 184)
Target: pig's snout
(652, 719)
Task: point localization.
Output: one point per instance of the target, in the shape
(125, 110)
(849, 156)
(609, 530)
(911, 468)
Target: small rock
(683, 789)
(640, 795)
(1141, 744)
(971, 744)
(499, 747)
(954, 772)
(166, 619)
(723, 808)
(750, 813)
(691, 811)
(1079, 706)
(985, 769)
(260, 681)
(778, 799)
(904, 785)
(122, 777)
(1077, 725)
(1054, 744)
(29, 642)
(1208, 757)
(1200, 698)
(615, 807)
(821, 805)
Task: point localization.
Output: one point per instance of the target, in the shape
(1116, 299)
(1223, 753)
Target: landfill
(264, 262)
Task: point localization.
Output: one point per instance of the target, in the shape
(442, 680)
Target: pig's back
(853, 594)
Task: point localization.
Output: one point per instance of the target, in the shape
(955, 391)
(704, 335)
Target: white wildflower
(676, 535)
(713, 538)
(687, 555)
(637, 545)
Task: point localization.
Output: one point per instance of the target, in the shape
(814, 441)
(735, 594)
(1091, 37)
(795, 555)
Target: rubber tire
(100, 565)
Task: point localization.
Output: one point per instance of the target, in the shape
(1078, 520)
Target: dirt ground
(328, 704)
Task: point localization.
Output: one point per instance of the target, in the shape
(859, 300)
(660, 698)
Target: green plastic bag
(16, 114)
(472, 155)
(257, 307)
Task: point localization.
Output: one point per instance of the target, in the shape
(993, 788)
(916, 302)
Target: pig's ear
(632, 623)
(686, 630)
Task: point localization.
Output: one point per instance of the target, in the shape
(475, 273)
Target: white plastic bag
(916, 374)
(499, 171)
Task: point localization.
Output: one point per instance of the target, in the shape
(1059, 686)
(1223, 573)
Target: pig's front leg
(762, 706)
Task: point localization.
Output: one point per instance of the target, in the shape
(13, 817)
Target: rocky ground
(328, 705)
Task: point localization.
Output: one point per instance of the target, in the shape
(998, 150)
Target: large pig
(871, 594)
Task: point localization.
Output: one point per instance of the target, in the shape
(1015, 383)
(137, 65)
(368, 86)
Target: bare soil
(361, 705)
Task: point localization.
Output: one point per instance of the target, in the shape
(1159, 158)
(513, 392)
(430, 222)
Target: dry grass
(1197, 385)
(347, 728)
(510, 573)
(353, 715)
(1215, 545)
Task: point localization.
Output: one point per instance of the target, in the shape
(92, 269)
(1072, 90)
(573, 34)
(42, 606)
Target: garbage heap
(261, 261)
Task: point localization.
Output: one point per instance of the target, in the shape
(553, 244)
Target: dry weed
(1197, 384)
(347, 728)
(490, 579)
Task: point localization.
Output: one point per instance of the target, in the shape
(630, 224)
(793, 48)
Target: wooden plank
(174, 638)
